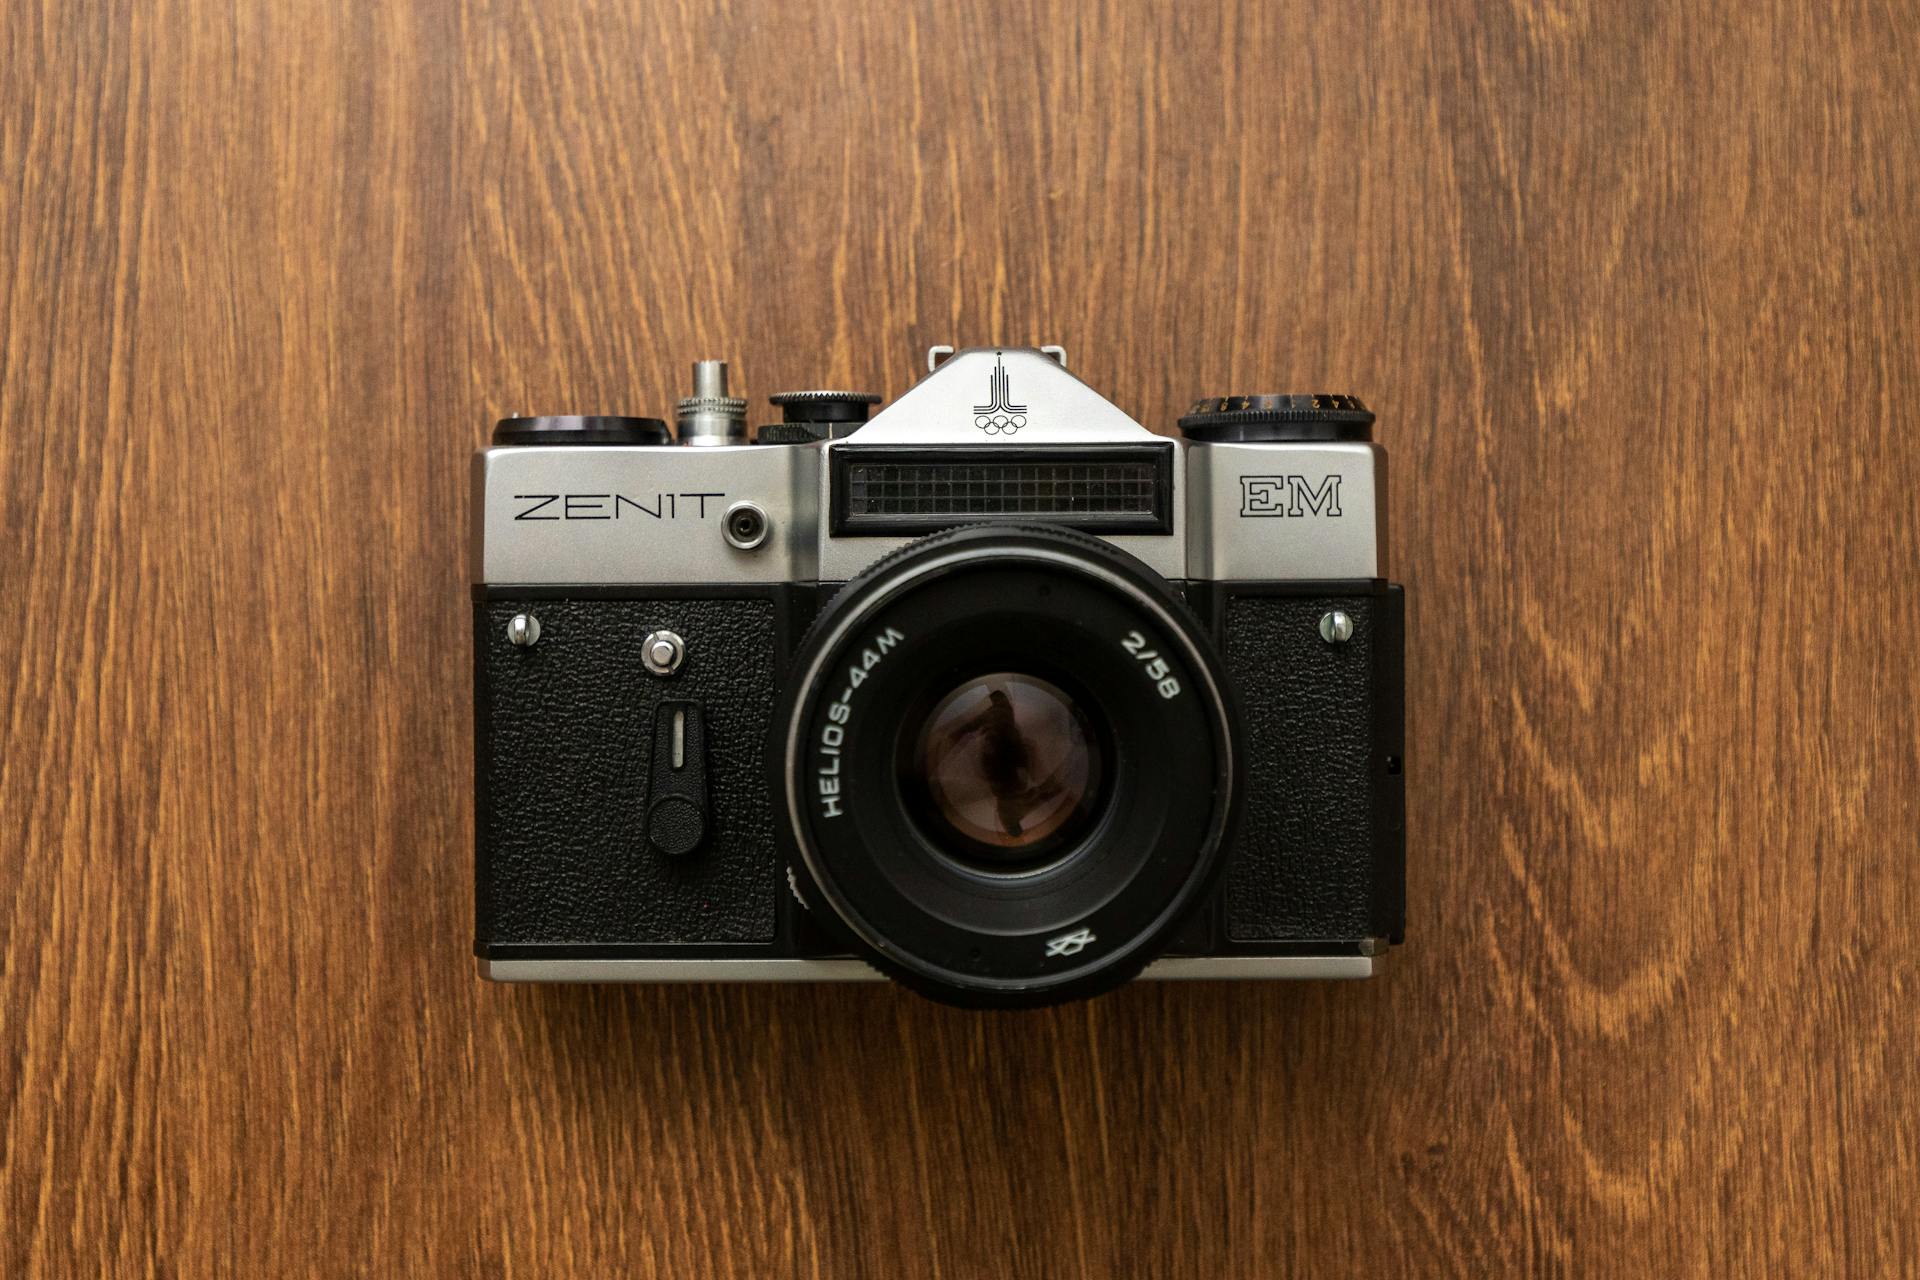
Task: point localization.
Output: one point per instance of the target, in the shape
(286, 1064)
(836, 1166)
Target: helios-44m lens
(1008, 762)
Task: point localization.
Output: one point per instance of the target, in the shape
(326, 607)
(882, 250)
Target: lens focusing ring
(1062, 607)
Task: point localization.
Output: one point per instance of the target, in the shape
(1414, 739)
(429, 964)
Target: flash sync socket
(745, 525)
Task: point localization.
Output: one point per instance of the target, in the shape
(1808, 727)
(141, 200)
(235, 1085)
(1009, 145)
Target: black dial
(573, 428)
(807, 416)
(1278, 417)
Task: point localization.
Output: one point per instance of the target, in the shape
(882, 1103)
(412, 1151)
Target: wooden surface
(1634, 289)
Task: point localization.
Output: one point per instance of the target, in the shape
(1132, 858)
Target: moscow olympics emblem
(999, 416)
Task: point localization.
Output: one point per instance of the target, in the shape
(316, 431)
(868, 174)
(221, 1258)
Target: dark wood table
(1634, 291)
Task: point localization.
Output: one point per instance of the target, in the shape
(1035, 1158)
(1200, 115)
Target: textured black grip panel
(1320, 848)
(562, 753)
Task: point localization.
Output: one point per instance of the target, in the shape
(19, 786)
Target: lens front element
(1004, 772)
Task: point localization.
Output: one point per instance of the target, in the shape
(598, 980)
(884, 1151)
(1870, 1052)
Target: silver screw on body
(1336, 627)
(662, 652)
(523, 631)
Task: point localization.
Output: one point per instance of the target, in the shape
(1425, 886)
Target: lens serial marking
(833, 734)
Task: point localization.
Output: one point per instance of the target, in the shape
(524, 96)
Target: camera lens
(1009, 765)
(1004, 772)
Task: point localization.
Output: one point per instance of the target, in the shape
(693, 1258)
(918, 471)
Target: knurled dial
(555, 429)
(1292, 416)
(807, 416)
(825, 406)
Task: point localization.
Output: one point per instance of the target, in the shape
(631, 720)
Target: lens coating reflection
(1004, 772)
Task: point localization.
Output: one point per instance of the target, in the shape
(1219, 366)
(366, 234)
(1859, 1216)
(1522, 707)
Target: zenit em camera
(998, 694)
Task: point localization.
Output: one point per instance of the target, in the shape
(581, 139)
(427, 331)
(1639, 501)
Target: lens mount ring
(1059, 607)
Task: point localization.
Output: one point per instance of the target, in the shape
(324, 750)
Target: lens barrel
(1009, 759)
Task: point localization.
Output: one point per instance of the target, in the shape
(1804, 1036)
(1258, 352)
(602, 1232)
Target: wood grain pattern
(1635, 288)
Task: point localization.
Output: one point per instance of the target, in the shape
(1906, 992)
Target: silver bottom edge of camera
(789, 970)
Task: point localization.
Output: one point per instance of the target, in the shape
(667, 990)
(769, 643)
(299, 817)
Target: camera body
(999, 693)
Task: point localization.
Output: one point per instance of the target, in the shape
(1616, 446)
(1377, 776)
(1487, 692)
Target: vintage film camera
(998, 694)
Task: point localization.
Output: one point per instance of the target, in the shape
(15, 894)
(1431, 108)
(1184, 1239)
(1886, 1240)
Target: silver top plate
(594, 514)
(1281, 512)
(606, 515)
